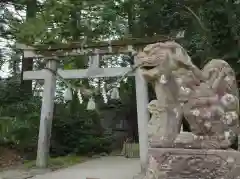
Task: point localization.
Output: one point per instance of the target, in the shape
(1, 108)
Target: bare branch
(197, 18)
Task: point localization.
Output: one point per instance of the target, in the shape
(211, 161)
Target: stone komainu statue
(207, 99)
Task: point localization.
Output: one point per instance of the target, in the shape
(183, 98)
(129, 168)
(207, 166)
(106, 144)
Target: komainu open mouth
(148, 67)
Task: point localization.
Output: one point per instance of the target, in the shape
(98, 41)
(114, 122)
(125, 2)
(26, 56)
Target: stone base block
(176, 163)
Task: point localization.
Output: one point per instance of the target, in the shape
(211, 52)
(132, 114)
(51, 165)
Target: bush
(19, 123)
(78, 132)
(74, 130)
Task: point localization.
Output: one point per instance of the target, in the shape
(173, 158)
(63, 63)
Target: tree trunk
(27, 63)
(132, 115)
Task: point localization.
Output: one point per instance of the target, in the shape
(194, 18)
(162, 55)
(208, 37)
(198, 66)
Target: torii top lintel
(138, 42)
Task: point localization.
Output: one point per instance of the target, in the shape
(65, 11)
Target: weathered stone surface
(207, 98)
(170, 163)
(157, 68)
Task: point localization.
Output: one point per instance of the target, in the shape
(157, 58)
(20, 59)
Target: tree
(27, 63)
(211, 31)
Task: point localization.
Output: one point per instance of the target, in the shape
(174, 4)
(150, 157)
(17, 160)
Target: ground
(110, 167)
(101, 168)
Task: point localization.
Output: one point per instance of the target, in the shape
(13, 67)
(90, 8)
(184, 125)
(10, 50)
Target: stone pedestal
(177, 163)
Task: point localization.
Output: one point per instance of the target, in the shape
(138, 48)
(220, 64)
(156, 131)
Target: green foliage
(18, 126)
(212, 31)
(78, 131)
(75, 130)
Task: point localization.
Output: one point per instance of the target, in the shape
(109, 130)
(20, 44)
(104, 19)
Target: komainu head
(161, 58)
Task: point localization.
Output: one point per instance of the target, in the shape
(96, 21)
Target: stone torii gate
(94, 71)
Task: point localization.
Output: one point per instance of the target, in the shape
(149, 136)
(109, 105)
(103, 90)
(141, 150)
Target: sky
(4, 72)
